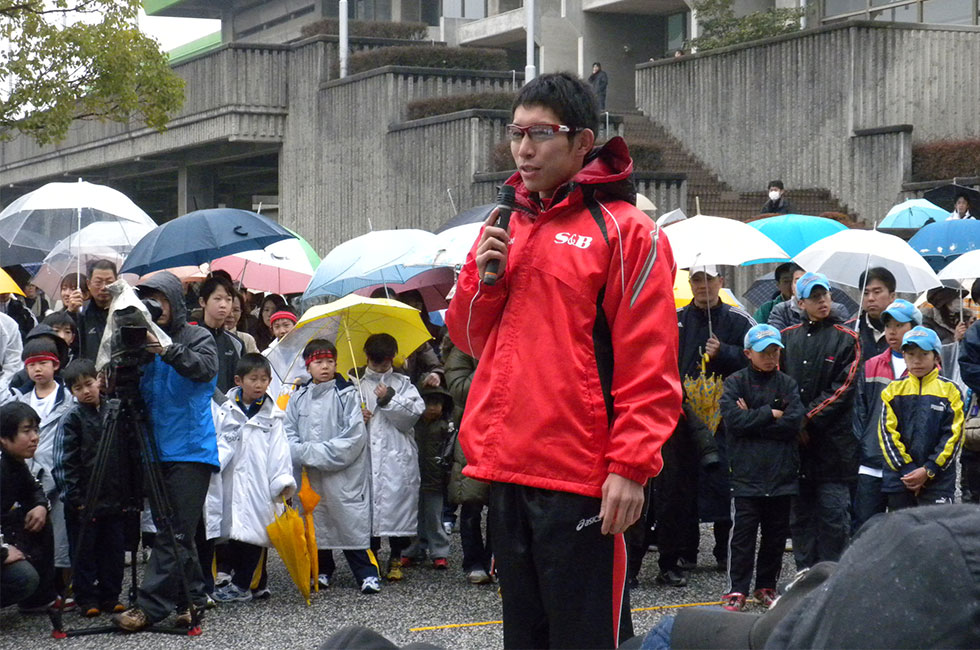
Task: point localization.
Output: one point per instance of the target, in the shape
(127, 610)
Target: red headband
(320, 354)
(282, 314)
(42, 356)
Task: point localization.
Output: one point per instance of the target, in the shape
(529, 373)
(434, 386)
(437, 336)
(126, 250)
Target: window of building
(949, 12)
(901, 14)
(834, 7)
(676, 31)
(943, 12)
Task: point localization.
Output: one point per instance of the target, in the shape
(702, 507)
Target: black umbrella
(945, 196)
(471, 215)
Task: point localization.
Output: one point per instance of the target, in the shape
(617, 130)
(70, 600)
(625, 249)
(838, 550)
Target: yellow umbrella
(683, 295)
(309, 498)
(7, 284)
(348, 322)
(286, 534)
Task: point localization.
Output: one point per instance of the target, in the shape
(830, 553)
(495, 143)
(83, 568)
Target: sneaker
(687, 565)
(222, 579)
(65, 604)
(262, 594)
(734, 602)
(112, 606)
(133, 619)
(765, 596)
(370, 585)
(230, 593)
(440, 563)
(183, 618)
(323, 580)
(90, 611)
(394, 571)
(407, 562)
(208, 603)
(672, 578)
(448, 527)
(478, 577)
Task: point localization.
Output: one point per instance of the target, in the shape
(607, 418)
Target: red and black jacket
(577, 341)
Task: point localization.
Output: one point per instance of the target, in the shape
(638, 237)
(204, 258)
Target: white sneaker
(371, 585)
(230, 593)
(323, 580)
(448, 527)
(478, 577)
(222, 579)
(262, 594)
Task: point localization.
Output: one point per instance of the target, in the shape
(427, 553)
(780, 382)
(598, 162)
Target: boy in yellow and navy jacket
(921, 427)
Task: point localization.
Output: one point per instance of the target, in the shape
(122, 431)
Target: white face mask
(774, 195)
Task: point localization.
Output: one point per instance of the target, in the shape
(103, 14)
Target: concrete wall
(800, 102)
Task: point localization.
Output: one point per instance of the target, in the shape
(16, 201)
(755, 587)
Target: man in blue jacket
(177, 387)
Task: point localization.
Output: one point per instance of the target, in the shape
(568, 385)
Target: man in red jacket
(577, 386)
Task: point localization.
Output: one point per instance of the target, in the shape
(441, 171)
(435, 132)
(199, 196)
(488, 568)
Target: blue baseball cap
(904, 312)
(922, 337)
(807, 281)
(761, 336)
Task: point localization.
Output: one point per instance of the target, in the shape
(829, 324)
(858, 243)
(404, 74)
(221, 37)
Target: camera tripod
(139, 458)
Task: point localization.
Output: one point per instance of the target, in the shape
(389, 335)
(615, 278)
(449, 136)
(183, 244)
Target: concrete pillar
(195, 189)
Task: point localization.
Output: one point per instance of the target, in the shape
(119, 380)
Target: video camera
(129, 334)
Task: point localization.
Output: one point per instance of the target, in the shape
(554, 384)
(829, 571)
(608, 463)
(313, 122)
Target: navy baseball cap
(807, 281)
(904, 312)
(761, 336)
(922, 337)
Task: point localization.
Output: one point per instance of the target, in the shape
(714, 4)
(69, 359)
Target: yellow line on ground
(637, 609)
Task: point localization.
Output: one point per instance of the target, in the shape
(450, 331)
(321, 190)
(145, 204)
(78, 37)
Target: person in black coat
(776, 203)
(762, 412)
(824, 358)
(709, 326)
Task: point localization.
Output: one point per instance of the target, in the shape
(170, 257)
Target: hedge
(647, 156)
(376, 29)
(464, 58)
(451, 103)
(933, 161)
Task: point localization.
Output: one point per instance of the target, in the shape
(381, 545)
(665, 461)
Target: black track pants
(562, 581)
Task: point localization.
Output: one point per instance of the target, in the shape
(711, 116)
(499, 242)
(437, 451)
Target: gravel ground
(425, 598)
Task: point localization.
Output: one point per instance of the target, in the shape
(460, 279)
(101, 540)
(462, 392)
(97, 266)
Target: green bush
(451, 103)
(372, 28)
(463, 58)
(934, 161)
(720, 27)
(647, 156)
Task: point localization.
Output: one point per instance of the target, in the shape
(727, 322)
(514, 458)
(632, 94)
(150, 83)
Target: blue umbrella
(794, 232)
(913, 213)
(202, 236)
(942, 242)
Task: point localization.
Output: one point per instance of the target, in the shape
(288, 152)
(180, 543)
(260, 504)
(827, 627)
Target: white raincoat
(326, 433)
(394, 454)
(255, 469)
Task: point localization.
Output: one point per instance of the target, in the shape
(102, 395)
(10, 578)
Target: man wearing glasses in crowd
(577, 386)
(91, 318)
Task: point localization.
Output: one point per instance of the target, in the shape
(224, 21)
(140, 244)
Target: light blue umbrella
(913, 213)
(940, 243)
(367, 261)
(794, 232)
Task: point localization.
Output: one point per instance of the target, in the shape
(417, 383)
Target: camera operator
(177, 386)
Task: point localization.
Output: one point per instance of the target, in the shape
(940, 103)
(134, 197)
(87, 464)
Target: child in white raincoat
(256, 475)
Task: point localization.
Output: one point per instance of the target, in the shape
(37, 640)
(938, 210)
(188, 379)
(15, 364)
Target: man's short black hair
(570, 98)
(60, 319)
(881, 274)
(786, 268)
(12, 415)
(319, 345)
(597, 64)
(380, 348)
(78, 369)
(210, 285)
(75, 281)
(250, 362)
(776, 183)
(103, 265)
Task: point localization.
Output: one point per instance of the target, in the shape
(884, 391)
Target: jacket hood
(606, 173)
(447, 398)
(169, 285)
(46, 331)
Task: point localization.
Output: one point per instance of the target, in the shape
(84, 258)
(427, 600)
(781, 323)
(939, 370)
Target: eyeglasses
(537, 132)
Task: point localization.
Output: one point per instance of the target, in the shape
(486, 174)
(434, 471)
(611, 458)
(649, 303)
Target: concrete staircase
(716, 197)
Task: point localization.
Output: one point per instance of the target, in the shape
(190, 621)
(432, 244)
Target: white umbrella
(701, 240)
(845, 255)
(964, 267)
(449, 248)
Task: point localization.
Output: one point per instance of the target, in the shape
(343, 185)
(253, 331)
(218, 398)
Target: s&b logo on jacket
(573, 240)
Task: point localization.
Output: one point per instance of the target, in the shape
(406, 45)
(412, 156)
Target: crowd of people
(822, 419)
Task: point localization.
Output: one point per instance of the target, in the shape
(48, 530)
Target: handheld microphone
(505, 203)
